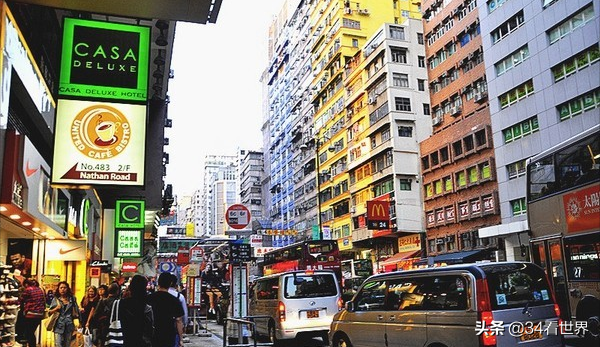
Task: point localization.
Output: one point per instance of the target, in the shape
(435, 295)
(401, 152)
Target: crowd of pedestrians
(148, 318)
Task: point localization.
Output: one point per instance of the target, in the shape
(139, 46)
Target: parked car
(295, 304)
(445, 306)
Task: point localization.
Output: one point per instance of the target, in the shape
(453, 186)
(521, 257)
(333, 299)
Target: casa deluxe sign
(99, 143)
(104, 60)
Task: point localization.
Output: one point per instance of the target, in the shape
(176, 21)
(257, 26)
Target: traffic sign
(196, 254)
(240, 253)
(167, 266)
(237, 216)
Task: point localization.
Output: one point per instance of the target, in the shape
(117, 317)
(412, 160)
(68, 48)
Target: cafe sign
(104, 60)
(128, 243)
(99, 143)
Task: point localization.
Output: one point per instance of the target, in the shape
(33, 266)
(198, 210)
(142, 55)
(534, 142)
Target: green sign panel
(103, 60)
(129, 214)
(129, 243)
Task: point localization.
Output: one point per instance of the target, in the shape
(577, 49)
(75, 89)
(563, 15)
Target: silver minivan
(482, 304)
(295, 304)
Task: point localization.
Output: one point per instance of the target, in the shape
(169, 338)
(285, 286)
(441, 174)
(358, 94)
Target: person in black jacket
(136, 316)
(102, 313)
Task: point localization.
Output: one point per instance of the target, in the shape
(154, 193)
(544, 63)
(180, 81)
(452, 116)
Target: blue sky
(216, 95)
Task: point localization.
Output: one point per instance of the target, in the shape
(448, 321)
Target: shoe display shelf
(9, 307)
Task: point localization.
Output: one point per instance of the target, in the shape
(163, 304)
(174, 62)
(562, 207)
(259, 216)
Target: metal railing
(243, 341)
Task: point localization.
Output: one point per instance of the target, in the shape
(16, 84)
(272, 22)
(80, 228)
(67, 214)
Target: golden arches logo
(378, 210)
(100, 131)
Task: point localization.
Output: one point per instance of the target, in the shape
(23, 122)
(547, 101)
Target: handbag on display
(52, 321)
(115, 330)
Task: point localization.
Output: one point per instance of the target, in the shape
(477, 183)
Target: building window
(421, 84)
(425, 163)
(518, 207)
(575, 21)
(397, 33)
(405, 184)
(457, 148)
(398, 55)
(576, 63)
(385, 135)
(421, 60)
(521, 129)
(507, 27)
(404, 131)
(516, 94)
(512, 60)
(420, 39)
(426, 110)
(400, 80)
(578, 105)
(448, 185)
(402, 104)
(355, 43)
(516, 169)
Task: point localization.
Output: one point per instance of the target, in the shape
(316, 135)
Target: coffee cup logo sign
(100, 131)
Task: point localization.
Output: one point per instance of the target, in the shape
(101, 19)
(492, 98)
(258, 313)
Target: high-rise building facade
(543, 73)
(221, 169)
(458, 163)
(250, 176)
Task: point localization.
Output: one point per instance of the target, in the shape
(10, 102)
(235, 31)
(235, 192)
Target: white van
(295, 304)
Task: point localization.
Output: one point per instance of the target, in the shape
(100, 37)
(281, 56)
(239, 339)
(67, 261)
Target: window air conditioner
(439, 241)
(371, 100)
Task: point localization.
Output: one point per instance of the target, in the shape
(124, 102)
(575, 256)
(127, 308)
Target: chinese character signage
(99, 143)
(128, 243)
(582, 209)
(104, 60)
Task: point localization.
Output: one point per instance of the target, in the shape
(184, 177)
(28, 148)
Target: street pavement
(210, 334)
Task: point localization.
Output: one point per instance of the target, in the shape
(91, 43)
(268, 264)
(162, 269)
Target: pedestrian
(136, 315)
(103, 291)
(66, 304)
(34, 305)
(101, 314)
(88, 305)
(168, 314)
(174, 290)
(213, 283)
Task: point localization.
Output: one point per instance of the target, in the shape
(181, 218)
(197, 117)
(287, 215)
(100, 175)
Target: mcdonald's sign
(378, 215)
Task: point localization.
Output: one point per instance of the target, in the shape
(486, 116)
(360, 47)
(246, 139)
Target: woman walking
(88, 305)
(65, 303)
(101, 314)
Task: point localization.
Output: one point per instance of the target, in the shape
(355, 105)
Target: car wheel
(341, 340)
(273, 335)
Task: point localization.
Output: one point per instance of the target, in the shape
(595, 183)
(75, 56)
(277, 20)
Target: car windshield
(309, 286)
(517, 285)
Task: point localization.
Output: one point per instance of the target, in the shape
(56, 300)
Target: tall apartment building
(310, 113)
(458, 162)
(543, 72)
(250, 176)
(220, 179)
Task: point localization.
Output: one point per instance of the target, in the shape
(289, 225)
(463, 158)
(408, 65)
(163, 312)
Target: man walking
(174, 290)
(168, 314)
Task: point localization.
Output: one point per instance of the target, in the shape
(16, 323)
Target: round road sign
(237, 216)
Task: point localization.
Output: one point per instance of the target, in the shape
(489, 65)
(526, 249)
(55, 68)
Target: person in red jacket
(34, 305)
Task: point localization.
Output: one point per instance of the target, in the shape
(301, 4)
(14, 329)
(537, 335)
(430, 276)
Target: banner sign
(99, 143)
(104, 60)
(582, 209)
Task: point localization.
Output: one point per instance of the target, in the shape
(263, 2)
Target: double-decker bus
(563, 211)
(304, 255)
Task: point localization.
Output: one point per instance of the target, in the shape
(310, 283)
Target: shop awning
(391, 263)
(460, 257)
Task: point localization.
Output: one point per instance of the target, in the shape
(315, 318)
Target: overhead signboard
(104, 60)
(240, 253)
(130, 214)
(99, 143)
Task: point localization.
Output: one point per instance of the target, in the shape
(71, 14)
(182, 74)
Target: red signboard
(582, 209)
(129, 267)
(183, 256)
(378, 214)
